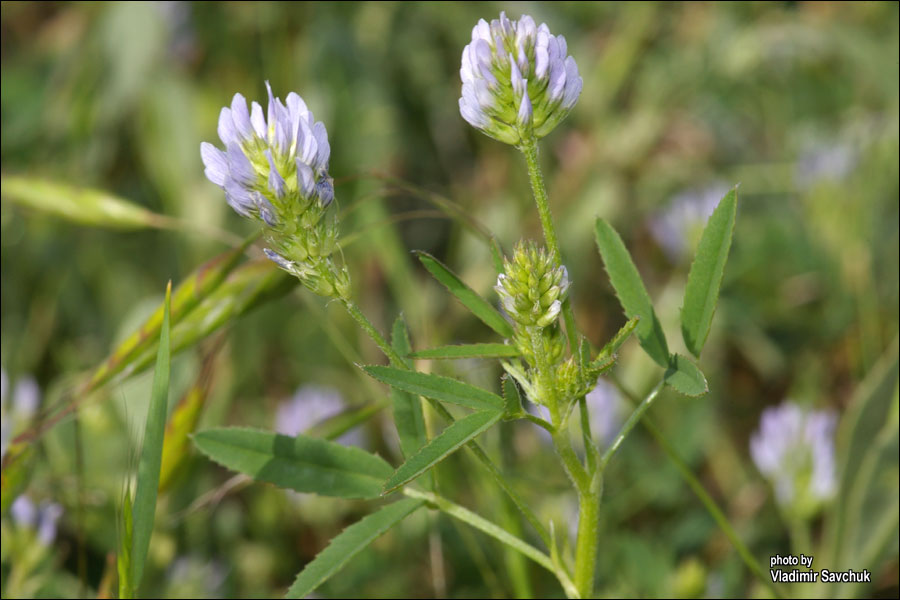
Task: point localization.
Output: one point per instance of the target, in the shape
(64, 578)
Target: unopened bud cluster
(517, 80)
(274, 170)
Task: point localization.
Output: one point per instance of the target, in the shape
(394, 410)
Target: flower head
(532, 286)
(517, 79)
(274, 169)
(794, 449)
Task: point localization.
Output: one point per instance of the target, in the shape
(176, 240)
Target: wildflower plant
(518, 84)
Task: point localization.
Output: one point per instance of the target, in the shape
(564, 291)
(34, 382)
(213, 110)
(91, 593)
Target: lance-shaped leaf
(189, 293)
(299, 463)
(80, 205)
(348, 544)
(408, 415)
(705, 278)
(632, 294)
(480, 307)
(144, 508)
(511, 397)
(437, 387)
(684, 376)
(468, 351)
(613, 345)
(445, 444)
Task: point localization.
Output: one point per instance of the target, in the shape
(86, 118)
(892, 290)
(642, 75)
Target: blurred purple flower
(309, 406)
(794, 450)
(16, 408)
(517, 79)
(42, 518)
(607, 410)
(676, 228)
(831, 163)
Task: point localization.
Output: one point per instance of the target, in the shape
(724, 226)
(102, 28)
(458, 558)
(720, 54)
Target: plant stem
(493, 530)
(396, 360)
(530, 149)
(586, 544)
(711, 507)
(629, 424)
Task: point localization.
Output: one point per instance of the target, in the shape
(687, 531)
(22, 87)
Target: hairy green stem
(588, 537)
(529, 148)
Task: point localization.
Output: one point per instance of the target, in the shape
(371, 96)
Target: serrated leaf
(480, 307)
(685, 377)
(705, 278)
(408, 414)
(437, 387)
(301, 463)
(632, 294)
(348, 544)
(144, 508)
(449, 440)
(80, 205)
(468, 351)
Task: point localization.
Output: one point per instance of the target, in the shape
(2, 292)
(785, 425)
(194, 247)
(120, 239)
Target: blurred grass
(797, 102)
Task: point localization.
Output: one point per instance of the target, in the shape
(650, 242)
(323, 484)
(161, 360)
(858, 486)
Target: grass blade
(468, 351)
(705, 278)
(480, 307)
(348, 544)
(80, 205)
(299, 463)
(438, 387)
(144, 509)
(451, 439)
(632, 294)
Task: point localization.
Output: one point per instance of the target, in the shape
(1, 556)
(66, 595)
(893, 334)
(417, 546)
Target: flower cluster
(532, 286)
(794, 449)
(517, 79)
(274, 169)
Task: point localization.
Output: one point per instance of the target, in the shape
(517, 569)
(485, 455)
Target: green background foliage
(796, 102)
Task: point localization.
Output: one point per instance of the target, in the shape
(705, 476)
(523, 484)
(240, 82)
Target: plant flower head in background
(794, 449)
(517, 79)
(274, 170)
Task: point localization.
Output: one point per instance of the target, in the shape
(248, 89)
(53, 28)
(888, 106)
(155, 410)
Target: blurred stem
(398, 362)
(530, 149)
(715, 512)
(801, 541)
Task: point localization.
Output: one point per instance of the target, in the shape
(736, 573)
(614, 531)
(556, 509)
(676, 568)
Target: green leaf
(438, 387)
(348, 544)
(468, 351)
(80, 205)
(301, 463)
(632, 294)
(144, 508)
(614, 344)
(408, 414)
(705, 278)
(480, 307)
(684, 376)
(511, 396)
(451, 439)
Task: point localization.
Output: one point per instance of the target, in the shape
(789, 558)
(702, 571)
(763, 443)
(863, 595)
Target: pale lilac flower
(517, 79)
(42, 519)
(681, 222)
(830, 163)
(17, 408)
(794, 450)
(309, 406)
